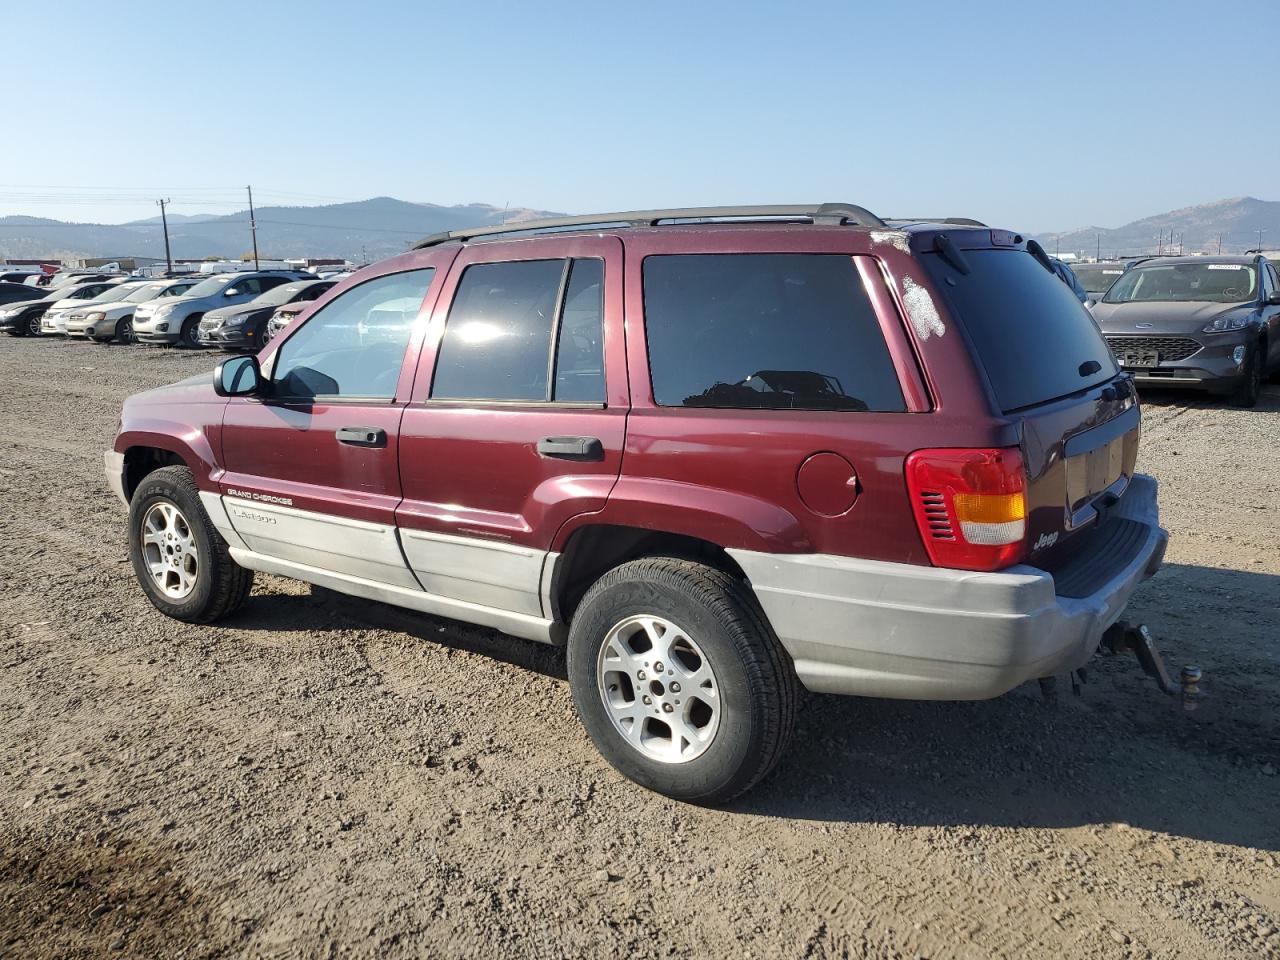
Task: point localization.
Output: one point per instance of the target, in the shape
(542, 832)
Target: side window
(267, 283)
(250, 286)
(774, 331)
(580, 344)
(497, 338)
(354, 345)
(1275, 277)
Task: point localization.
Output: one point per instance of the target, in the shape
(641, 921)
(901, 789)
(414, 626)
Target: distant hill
(383, 226)
(370, 229)
(1237, 221)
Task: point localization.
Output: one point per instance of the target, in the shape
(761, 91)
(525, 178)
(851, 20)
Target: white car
(104, 320)
(54, 320)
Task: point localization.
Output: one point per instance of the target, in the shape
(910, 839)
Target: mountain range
(362, 231)
(1233, 224)
(380, 227)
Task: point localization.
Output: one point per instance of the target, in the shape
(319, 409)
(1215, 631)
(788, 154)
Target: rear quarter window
(765, 331)
(1031, 334)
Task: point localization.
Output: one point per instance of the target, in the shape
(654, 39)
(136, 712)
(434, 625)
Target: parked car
(177, 321)
(54, 320)
(104, 321)
(1067, 276)
(12, 275)
(244, 327)
(16, 292)
(1096, 278)
(1209, 323)
(24, 318)
(938, 503)
(281, 318)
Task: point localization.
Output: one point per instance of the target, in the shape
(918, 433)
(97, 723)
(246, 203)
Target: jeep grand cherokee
(716, 452)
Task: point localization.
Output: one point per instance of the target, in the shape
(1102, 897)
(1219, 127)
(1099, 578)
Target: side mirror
(231, 292)
(237, 377)
(1274, 299)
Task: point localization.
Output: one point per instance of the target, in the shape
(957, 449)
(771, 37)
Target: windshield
(1207, 282)
(144, 293)
(118, 292)
(207, 288)
(282, 294)
(1097, 277)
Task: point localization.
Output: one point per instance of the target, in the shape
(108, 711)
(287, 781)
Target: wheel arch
(146, 453)
(592, 550)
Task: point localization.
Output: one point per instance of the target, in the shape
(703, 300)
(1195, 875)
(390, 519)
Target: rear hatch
(1051, 374)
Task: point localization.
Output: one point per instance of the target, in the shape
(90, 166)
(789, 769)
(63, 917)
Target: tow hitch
(1121, 636)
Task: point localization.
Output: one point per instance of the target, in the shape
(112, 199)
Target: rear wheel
(124, 330)
(1246, 393)
(679, 679)
(180, 560)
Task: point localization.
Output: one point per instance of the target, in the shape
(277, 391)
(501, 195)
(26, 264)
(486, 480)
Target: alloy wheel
(33, 326)
(169, 550)
(659, 689)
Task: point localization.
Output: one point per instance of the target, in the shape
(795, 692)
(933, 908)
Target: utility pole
(1260, 233)
(1180, 236)
(253, 229)
(1098, 256)
(168, 259)
(1057, 246)
(1219, 244)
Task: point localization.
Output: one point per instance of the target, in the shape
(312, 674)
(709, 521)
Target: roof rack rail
(954, 221)
(838, 214)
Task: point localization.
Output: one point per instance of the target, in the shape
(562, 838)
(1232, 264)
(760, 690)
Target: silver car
(54, 320)
(104, 320)
(177, 321)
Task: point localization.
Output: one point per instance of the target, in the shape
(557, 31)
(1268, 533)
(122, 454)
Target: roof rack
(837, 214)
(954, 221)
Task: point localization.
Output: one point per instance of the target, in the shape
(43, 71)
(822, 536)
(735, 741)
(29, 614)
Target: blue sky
(1036, 116)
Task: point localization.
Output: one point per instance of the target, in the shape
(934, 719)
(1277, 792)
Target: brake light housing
(970, 506)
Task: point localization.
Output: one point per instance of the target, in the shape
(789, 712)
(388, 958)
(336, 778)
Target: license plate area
(1140, 359)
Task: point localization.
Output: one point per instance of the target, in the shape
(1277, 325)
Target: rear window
(1036, 341)
(1097, 277)
(773, 331)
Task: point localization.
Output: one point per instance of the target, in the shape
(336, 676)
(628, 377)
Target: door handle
(571, 448)
(362, 436)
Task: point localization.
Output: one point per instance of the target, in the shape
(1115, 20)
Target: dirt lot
(327, 777)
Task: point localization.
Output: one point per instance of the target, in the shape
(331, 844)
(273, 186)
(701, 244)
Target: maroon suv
(714, 451)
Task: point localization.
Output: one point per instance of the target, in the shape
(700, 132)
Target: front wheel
(679, 680)
(34, 329)
(190, 336)
(1246, 394)
(180, 560)
(124, 330)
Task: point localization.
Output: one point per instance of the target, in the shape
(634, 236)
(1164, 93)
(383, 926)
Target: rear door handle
(362, 436)
(571, 448)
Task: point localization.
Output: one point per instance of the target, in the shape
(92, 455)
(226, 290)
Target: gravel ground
(323, 777)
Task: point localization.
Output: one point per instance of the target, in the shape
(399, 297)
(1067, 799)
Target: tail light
(970, 506)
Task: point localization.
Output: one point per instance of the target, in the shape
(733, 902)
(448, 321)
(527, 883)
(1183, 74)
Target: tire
(33, 326)
(190, 335)
(124, 330)
(1246, 394)
(737, 684)
(194, 586)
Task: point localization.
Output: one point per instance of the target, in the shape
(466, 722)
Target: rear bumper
(877, 629)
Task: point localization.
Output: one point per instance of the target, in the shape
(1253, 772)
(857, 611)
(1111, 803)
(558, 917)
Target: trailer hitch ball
(1121, 636)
